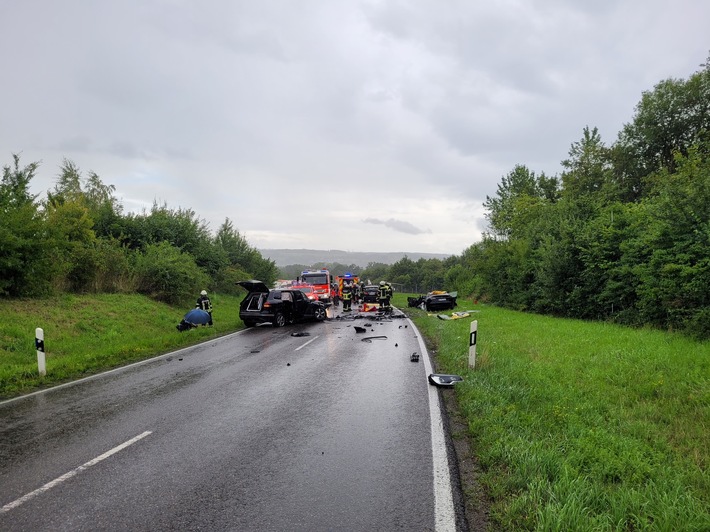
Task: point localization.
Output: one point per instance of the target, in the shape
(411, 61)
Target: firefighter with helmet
(357, 293)
(384, 294)
(347, 296)
(204, 303)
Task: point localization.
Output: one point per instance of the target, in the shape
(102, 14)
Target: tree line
(622, 234)
(79, 240)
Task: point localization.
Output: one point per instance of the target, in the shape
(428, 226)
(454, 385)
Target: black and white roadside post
(39, 344)
(472, 345)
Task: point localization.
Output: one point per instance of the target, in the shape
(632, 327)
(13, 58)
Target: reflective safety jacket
(204, 303)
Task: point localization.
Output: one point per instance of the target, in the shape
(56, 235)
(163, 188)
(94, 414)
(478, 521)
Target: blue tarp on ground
(194, 318)
(197, 317)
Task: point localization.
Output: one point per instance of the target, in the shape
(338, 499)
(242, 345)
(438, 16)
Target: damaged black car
(278, 306)
(436, 300)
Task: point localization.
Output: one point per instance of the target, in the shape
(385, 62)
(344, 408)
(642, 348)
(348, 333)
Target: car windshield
(315, 278)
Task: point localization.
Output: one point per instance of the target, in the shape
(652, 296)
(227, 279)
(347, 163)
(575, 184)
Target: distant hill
(307, 257)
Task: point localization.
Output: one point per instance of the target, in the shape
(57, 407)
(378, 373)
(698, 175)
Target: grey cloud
(205, 105)
(77, 143)
(398, 225)
(127, 150)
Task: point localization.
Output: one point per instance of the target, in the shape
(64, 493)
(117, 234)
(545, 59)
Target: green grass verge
(580, 425)
(89, 334)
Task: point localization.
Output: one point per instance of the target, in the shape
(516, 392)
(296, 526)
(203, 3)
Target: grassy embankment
(89, 334)
(581, 426)
(576, 425)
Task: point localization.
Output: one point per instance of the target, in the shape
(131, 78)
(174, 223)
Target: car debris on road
(370, 338)
(455, 315)
(446, 381)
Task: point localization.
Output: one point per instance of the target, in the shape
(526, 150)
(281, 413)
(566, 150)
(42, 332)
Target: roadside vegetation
(580, 425)
(78, 240)
(84, 335)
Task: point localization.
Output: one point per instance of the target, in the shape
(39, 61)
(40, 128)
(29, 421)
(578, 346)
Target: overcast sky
(373, 125)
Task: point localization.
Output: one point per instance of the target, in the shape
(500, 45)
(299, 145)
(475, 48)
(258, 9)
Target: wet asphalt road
(261, 430)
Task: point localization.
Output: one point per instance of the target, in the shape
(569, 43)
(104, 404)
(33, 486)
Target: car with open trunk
(277, 306)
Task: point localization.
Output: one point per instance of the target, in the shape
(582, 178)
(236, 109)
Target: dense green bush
(167, 274)
(79, 241)
(27, 263)
(115, 272)
(225, 282)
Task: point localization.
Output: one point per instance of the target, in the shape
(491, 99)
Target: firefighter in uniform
(385, 293)
(204, 303)
(357, 293)
(347, 297)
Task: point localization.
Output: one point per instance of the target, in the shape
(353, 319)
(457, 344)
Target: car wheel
(319, 314)
(279, 320)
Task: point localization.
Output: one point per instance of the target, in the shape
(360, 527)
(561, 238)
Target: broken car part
(439, 379)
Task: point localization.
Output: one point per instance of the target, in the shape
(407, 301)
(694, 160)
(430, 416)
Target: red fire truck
(348, 278)
(321, 281)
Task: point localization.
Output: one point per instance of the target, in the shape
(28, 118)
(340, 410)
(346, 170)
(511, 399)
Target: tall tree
(15, 185)
(242, 256)
(68, 185)
(233, 243)
(375, 272)
(675, 280)
(587, 170)
(26, 263)
(516, 192)
(671, 118)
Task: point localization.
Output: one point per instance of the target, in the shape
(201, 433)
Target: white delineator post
(472, 344)
(39, 344)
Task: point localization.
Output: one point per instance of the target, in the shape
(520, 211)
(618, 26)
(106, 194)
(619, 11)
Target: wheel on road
(319, 313)
(279, 320)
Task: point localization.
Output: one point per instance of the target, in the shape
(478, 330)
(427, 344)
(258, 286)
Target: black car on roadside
(277, 306)
(436, 300)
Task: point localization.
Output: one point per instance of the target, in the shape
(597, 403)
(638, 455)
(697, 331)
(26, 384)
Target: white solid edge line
(118, 369)
(70, 474)
(308, 342)
(444, 514)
